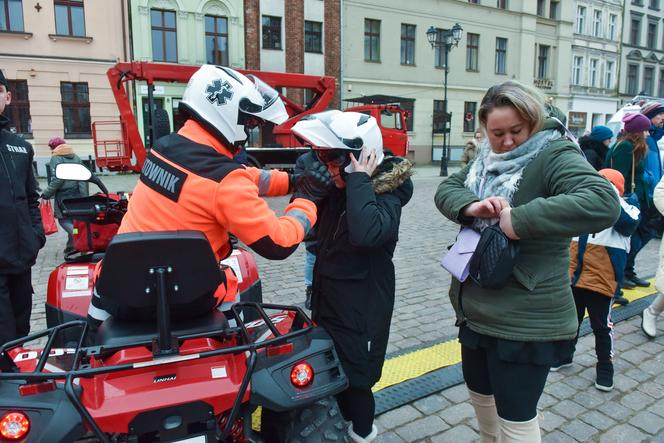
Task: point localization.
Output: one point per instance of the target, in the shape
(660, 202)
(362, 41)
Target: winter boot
(357, 439)
(487, 417)
(520, 431)
(649, 316)
(604, 376)
(307, 301)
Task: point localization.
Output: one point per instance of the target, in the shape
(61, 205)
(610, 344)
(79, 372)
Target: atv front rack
(301, 325)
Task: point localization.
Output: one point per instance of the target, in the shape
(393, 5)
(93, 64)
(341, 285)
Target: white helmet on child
(335, 134)
(222, 99)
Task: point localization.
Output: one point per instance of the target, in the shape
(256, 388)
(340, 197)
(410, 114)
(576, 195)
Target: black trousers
(516, 387)
(358, 406)
(15, 305)
(599, 313)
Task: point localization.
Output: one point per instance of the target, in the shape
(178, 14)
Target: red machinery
(115, 151)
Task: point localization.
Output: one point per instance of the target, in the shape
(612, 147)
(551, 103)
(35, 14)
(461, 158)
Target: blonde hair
(526, 101)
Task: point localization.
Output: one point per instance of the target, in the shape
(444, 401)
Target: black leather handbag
(494, 257)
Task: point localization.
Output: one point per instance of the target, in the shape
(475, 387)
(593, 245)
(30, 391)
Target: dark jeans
(599, 313)
(639, 239)
(15, 305)
(516, 387)
(358, 405)
(68, 225)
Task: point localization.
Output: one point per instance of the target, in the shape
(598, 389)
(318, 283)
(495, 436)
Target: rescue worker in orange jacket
(190, 180)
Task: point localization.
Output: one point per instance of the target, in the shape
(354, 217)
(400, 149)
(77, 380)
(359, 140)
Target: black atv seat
(127, 283)
(118, 333)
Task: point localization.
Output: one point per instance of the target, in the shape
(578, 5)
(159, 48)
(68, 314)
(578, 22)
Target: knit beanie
(55, 142)
(615, 177)
(651, 109)
(601, 133)
(636, 122)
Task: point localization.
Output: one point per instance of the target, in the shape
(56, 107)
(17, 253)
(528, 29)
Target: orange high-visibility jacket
(190, 181)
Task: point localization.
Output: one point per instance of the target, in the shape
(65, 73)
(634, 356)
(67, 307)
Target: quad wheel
(319, 422)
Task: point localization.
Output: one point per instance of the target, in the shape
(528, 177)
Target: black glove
(313, 184)
(304, 162)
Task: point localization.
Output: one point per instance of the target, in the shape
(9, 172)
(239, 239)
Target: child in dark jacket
(597, 264)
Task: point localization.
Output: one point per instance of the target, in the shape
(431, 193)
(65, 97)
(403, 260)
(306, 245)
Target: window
(580, 19)
(597, 23)
(592, 77)
(410, 107)
(477, 2)
(407, 44)
(313, 37)
(216, 40)
(613, 23)
(543, 62)
(648, 80)
(164, 36)
(553, 9)
(577, 70)
(11, 15)
(501, 55)
(632, 79)
(438, 123)
(69, 18)
(371, 40)
(439, 51)
(651, 38)
(469, 109)
(635, 31)
(661, 83)
(19, 111)
(541, 6)
(271, 32)
(473, 52)
(501, 4)
(654, 4)
(608, 75)
(75, 108)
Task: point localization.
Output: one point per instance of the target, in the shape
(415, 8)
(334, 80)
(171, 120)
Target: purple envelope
(457, 259)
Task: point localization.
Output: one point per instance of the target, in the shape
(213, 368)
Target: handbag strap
(633, 184)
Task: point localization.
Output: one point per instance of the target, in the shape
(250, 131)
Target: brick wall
(252, 34)
(294, 39)
(333, 45)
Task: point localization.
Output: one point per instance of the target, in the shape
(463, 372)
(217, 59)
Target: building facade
(190, 32)
(594, 63)
(55, 56)
(642, 55)
(386, 51)
(299, 36)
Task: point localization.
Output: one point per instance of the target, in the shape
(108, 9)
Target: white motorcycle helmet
(222, 100)
(335, 134)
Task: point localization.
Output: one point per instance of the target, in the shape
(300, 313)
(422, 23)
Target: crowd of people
(577, 224)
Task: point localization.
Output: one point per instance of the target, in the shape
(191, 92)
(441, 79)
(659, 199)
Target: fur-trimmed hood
(391, 174)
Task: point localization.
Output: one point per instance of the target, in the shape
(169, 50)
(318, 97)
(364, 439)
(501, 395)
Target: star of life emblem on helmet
(219, 92)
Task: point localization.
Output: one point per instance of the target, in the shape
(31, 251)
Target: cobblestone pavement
(571, 409)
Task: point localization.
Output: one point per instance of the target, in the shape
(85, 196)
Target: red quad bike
(171, 378)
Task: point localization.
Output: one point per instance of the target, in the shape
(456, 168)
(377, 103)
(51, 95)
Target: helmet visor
(272, 107)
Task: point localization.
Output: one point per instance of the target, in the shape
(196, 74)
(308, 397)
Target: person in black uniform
(21, 231)
(357, 231)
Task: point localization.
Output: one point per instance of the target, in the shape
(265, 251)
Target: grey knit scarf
(499, 175)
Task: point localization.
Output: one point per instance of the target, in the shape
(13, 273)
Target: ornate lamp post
(446, 39)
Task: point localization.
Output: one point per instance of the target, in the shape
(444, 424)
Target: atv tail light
(14, 426)
(274, 351)
(302, 375)
(36, 388)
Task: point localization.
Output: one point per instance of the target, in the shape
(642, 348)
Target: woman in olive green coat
(534, 182)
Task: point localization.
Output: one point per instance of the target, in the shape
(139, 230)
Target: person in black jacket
(21, 231)
(595, 145)
(357, 232)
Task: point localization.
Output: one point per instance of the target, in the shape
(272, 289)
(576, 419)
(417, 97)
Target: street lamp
(447, 39)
